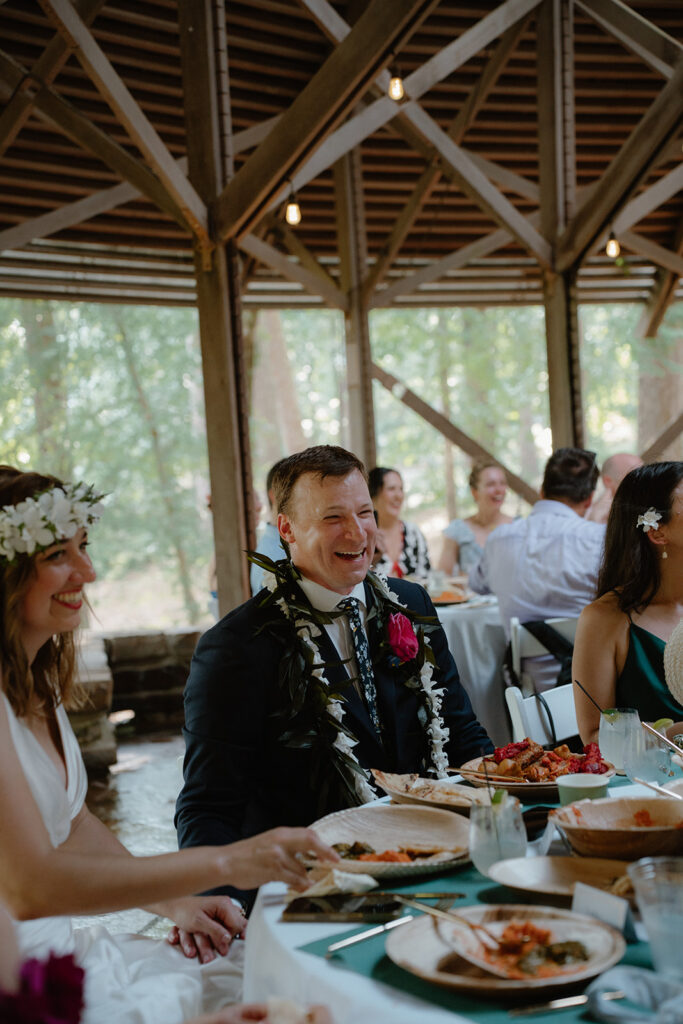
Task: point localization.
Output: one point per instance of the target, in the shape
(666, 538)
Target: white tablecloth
(275, 967)
(476, 640)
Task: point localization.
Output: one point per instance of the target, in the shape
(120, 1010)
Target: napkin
(659, 1000)
(325, 881)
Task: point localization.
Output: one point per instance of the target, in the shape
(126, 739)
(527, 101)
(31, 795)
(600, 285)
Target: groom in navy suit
(292, 698)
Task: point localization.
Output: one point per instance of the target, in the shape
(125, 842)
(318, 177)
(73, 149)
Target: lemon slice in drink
(662, 724)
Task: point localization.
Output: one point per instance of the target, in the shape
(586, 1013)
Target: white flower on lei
(53, 515)
(649, 520)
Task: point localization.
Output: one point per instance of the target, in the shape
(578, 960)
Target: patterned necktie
(360, 643)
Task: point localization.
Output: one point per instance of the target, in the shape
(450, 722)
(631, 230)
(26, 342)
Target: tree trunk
(46, 361)
(281, 384)
(165, 478)
(441, 331)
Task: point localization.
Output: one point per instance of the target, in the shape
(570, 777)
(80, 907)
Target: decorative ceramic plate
(428, 948)
(557, 876)
(528, 792)
(442, 836)
(411, 789)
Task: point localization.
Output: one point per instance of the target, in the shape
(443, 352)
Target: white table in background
(476, 640)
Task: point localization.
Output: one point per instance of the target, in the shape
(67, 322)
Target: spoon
(448, 915)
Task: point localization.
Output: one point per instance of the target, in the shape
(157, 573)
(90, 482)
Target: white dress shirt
(542, 567)
(339, 630)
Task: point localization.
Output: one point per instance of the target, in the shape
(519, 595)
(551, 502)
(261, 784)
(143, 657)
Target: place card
(605, 906)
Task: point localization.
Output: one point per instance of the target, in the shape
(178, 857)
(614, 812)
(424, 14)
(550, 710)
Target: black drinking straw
(493, 813)
(584, 690)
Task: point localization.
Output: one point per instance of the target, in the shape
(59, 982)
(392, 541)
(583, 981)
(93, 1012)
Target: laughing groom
(326, 673)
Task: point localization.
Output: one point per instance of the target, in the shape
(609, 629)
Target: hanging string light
(612, 248)
(292, 211)
(395, 90)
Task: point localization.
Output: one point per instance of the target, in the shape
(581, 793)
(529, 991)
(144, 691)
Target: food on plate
(436, 790)
(525, 950)
(401, 855)
(452, 596)
(622, 886)
(527, 761)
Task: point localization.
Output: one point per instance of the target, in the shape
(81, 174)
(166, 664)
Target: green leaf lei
(312, 710)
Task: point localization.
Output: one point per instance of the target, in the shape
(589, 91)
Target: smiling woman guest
(56, 858)
(401, 549)
(621, 636)
(464, 539)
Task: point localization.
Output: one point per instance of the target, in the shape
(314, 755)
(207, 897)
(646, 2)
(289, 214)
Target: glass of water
(645, 758)
(658, 882)
(497, 832)
(617, 726)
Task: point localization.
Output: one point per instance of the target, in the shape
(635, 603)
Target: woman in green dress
(621, 636)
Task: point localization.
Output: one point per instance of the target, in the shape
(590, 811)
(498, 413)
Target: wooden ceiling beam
(663, 293)
(47, 67)
(71, 213)
(475, 184)
(130, 115)
(637, 156)
(448, 60)
(658, 50)
(321, 105)
(649, 199)
(296, 247)
(665, 258)
(431, 174)
(312, 282)
(667, 437)
(61, 114)
(449, 430)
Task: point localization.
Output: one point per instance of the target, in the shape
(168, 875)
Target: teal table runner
(369, 959)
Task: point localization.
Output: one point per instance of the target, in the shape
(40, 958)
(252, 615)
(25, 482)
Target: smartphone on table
(372, 907)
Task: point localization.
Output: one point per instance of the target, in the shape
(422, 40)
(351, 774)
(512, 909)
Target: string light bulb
(293, 211)
(612, 248)
(396, 90)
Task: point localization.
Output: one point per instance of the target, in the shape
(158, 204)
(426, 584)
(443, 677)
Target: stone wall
(90, 721)
(149, 672)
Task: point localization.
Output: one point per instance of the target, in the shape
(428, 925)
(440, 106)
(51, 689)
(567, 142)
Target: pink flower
(402, 637)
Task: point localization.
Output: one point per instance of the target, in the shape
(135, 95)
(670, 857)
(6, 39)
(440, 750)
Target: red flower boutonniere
(401, 635)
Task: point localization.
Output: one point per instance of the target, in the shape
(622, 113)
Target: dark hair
(322, 460)
(275, 468)
(478, 467)
(376, 478)
(51, 676)
(570, 473)
(630, 566)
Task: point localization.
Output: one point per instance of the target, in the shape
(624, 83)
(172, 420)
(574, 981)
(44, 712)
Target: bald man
(614, 470)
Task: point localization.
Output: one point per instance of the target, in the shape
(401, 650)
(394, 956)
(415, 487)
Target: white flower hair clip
(649, 520)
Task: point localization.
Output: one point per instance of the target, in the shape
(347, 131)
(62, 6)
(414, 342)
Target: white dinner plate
(556, 876)
(388, 827)
(427, 948)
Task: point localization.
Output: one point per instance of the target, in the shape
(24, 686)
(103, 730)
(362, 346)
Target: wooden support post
(352, 256)
(218, 301)
(564, 375)
(558, 200)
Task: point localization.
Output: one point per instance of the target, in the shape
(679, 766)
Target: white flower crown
(52, 515)
(649, 520)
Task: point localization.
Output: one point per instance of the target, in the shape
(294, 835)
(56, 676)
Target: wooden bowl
(611, 828)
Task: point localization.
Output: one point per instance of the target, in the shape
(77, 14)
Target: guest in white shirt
(268, 542)
(546, 566)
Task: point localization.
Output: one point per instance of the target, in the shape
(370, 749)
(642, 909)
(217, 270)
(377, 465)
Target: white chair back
(524, 645)
(530, 718)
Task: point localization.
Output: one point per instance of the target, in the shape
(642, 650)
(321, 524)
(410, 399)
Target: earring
(665, 554)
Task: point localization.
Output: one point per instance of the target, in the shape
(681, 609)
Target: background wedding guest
(58, 859)
(268, 738)
(268, 542)
(546, 565)
(620, 639)
(464, 539)
(400, 547)
(614, 469)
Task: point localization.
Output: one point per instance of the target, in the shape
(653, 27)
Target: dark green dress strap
(641, 684)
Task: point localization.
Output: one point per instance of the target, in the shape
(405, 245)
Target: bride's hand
(274, 856)
(204, 925)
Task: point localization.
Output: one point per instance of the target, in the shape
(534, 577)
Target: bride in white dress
(56, 858)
